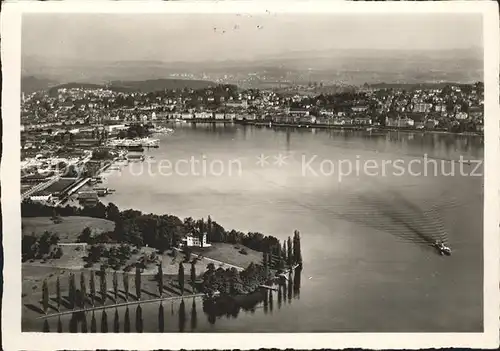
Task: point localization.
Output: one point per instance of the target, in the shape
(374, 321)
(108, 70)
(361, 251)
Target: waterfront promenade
(118, 305)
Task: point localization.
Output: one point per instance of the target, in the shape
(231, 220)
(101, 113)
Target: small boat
(443, 249)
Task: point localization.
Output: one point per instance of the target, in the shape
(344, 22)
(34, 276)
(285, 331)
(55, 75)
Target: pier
(39, 187)
(72, 189)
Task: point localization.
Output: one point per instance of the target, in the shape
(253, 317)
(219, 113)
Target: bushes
(58, 253)
(115, 257)
(230, 281)
(42, 248)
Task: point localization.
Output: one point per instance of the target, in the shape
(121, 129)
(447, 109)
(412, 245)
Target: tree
(278, 253)
(297, 255)
(125, 285)
(265, 262)
(92, 287)
(56, 218)
(181, 277)
(283, 251)
(85, 236)
(112, 212)
(58, 293)
(83, 289)
(45, 296)
(160, 279)
(115, 284)
(72, 290)
(193, 274)
(104, 284)
(138, 282)
(289, 251)
(209, 228)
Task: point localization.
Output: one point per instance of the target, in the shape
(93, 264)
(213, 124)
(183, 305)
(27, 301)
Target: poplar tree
(160, 279)
(58, 293)
(193, 274)
(45, 296)
(72, 290)
(125, 285)
(138, 282)
(83, 289)
(297, 254)
(265, 263)
(289, 251)
(115, 285)
(104, 285)
(92, 287)
(181, 277)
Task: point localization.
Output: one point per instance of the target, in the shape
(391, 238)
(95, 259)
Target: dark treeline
(135, 131)
(42, 247)
(158, 231)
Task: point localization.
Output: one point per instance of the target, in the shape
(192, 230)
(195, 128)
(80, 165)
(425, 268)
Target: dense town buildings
(67, 133)
(453, 108)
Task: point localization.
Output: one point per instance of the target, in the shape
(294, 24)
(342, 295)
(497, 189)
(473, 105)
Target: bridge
(124, 304)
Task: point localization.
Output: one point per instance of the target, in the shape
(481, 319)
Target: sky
(198, 37)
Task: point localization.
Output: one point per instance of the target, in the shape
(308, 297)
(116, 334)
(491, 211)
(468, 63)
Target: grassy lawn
(34, 273)
(229, 253)
(68, 230)
(33, 277)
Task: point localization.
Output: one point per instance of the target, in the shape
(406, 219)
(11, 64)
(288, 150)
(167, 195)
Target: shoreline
(381, 129)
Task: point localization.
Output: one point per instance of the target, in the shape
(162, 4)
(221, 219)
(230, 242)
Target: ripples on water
(365, 239)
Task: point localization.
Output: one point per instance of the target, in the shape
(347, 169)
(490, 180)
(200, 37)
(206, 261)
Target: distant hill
(73, 85)
(30, 84)
(145, 86)
(336, 66)
(151, 85)
(409, 86)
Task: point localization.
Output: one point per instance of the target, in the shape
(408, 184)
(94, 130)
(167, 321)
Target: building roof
(416, 116)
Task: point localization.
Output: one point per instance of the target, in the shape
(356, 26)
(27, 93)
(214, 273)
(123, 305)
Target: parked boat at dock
(162, 130)
(137, 144)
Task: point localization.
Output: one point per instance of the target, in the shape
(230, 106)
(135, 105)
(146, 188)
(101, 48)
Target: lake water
(368, 263)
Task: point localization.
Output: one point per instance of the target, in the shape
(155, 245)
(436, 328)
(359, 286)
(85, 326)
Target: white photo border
(14, 339)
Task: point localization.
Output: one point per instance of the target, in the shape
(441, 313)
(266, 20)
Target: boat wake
(390, 212)
(399, 217)
(385, 210)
